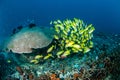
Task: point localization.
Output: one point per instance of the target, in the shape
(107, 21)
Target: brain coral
(28, 38)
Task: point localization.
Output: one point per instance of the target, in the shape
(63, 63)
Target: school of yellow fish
(73, 36)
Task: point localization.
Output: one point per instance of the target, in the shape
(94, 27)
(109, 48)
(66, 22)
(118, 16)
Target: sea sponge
(28, 38)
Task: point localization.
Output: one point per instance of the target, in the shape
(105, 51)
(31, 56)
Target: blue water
(103, 14)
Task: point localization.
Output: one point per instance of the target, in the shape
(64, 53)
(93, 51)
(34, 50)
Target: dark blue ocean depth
(103, 14)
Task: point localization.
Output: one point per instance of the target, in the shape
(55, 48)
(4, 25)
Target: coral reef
(29, 38)
(101, 63)
(70, 36)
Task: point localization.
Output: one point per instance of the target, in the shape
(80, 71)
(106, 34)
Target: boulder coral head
(29, 38)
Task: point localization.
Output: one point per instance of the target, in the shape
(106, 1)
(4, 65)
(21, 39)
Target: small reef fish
(81, 31)
(76, 46)
(67, 41)
(51, 22)
(91, 30)
(86, 49)
(56, 37)
(69, 44)
(57, 29)
(59, 53)
(50, 49)
(59, 21)
(91, 44)
(60, 26)
(65, 32)
(38, 56)
(75, 50)
(48, 56)
(87, 28)
(34, 61)
(65, 54)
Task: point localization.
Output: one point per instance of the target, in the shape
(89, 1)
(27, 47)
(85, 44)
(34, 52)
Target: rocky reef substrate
(101, 63)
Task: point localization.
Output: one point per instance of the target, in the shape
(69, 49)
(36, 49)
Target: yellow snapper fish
(51, 22)
(89, 26)
(90, 36)
(76, 46)
(81, 31)
(74, 27)
(67, 41)
(65, 54)
(75, 50)
(59, 53)
(91, 44)
(50, 49)
(84, 40)
(56, 37)
(86, 49)
(64, 32)
(48, 56)
(91, 30)
(38, 56)
(69, 44)
(59, 21)
(34, 61)
(66, 22)
(60, 26)
(55, 22)
(56, 29)
(82, 45)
